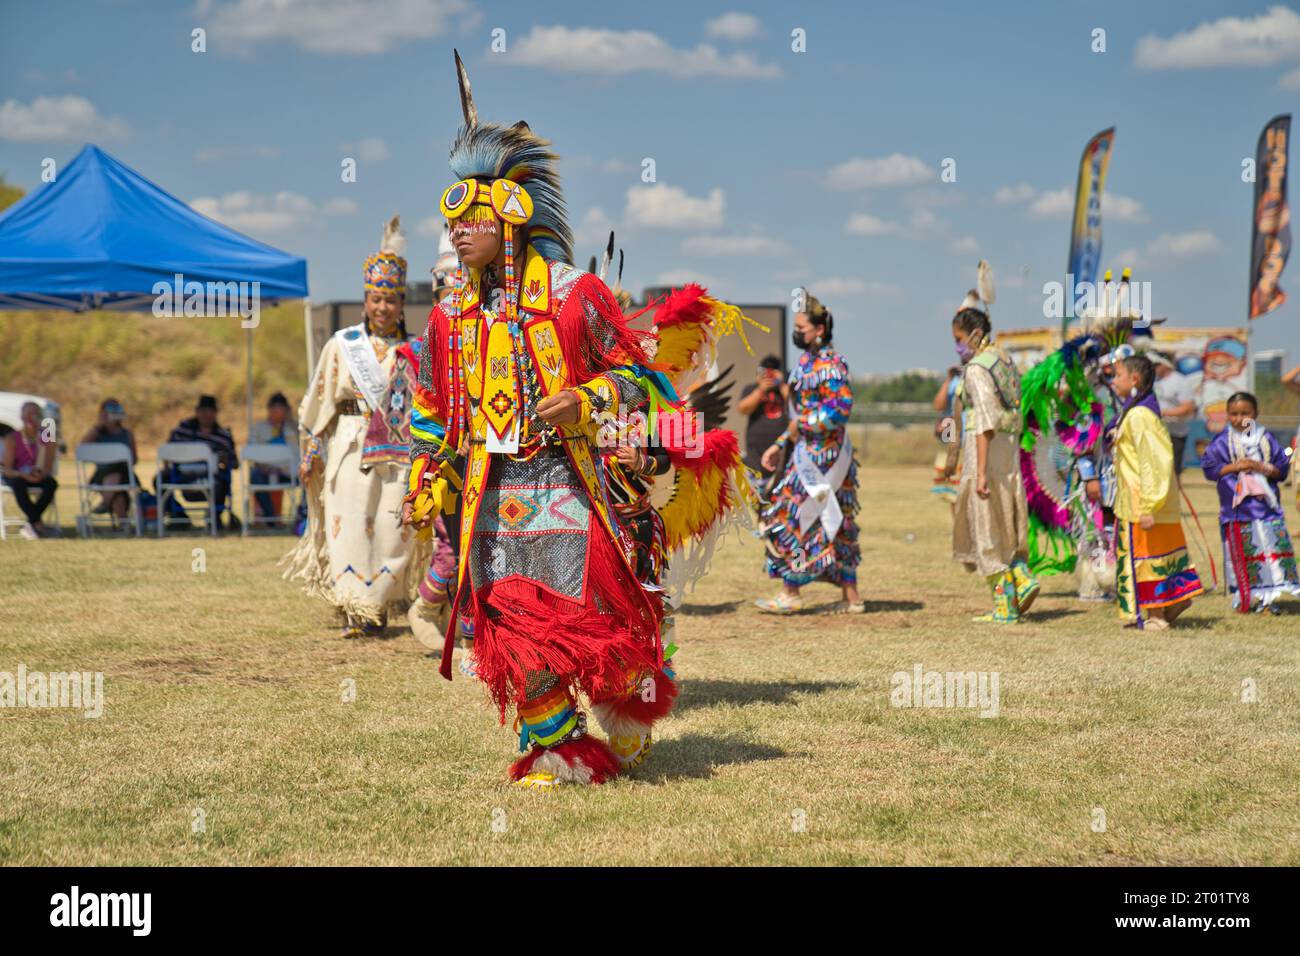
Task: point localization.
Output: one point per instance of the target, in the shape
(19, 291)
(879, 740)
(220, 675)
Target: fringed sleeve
(600, 343)
(430, 443)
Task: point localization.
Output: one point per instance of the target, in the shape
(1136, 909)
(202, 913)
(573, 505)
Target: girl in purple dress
(1248, 462)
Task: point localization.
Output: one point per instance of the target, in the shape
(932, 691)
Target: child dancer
(1248, 462)
(1154, 577)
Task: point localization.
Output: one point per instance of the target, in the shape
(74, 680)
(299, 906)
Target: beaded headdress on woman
(506, 178)
(385, 271)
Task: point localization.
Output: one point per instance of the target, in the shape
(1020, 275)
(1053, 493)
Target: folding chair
(185, 453)
(89, 457)
(281, 458)
(7, 520)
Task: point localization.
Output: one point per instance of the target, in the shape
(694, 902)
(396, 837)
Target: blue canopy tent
(101, 236)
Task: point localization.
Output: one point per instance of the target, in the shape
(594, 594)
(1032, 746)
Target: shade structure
(101, 236)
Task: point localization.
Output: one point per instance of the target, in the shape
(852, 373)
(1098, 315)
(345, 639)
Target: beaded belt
(350, 407)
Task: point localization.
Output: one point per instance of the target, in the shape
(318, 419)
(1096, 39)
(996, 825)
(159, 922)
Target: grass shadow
(1192, 623)
(697, 756)
(709, 610)
(875, 606)
(1051, 614)
(711, 693)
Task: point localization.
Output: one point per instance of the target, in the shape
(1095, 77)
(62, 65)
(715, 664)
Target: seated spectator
(203, 427)
(278, 429)
(27, 466)
(109, 429)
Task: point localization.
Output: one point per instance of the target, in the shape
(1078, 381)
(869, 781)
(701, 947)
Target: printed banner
(1270, 241)
(1085, 230)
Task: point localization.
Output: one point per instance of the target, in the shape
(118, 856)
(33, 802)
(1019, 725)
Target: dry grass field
(226, 704)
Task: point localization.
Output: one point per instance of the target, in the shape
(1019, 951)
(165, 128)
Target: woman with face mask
(810, 520)
(991, 522)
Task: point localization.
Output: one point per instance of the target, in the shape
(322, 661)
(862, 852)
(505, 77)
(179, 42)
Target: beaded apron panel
(533, 523)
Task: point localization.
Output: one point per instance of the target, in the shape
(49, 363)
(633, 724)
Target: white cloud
(372, 149)
(893, 170)
(1054, 204)
(842, 287)
(1177, 247)
(865, 224)
(1059, 204)
(232, 153)
(734, 26)
(1169, 249)
(754, 245)
(614, 52)
(340, 207)
(331, 26)
(1119, 208)
(592, 231)
(679, 277)
(1129, 257)
(51, 118)
(1021, 192)
(1290, 81)
(936, 198)
(1270, 38)
(660, 206)
(264, 214)
(965, 246)
(430, 228)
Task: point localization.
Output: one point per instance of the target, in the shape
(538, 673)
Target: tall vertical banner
(1085, 230)
(1270, 241)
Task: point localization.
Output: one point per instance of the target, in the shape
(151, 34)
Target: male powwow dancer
(526, 359)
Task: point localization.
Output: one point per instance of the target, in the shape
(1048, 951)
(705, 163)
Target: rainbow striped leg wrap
(548, 718)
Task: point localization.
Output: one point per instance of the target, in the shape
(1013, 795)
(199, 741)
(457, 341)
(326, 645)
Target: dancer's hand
(771, 458)
(562, 408)
(629, 456)
(1093, 488)
(420, 511)
(1147, 522)
(982, 486)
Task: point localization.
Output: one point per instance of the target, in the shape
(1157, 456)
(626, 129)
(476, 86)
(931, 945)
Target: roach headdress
(485, 154)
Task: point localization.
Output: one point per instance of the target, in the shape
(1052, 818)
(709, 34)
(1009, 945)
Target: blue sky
(773, 168)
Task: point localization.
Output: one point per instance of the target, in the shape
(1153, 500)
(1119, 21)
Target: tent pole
(306, 321)
(249, 382)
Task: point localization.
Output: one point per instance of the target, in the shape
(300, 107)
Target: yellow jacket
(1144, 469)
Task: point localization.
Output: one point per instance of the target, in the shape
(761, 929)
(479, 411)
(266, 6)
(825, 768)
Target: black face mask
(800, 340)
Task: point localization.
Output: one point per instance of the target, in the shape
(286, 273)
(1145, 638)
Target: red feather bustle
(683, 305)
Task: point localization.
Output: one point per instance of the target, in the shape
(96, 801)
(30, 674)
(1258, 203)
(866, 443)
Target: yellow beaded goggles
(508, 200)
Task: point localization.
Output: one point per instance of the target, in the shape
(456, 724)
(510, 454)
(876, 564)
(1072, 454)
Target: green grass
(223, 693)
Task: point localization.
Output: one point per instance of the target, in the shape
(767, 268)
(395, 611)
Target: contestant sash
(821, 503)
(367, 374)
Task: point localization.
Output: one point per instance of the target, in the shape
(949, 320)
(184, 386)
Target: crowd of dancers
(541, 471)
